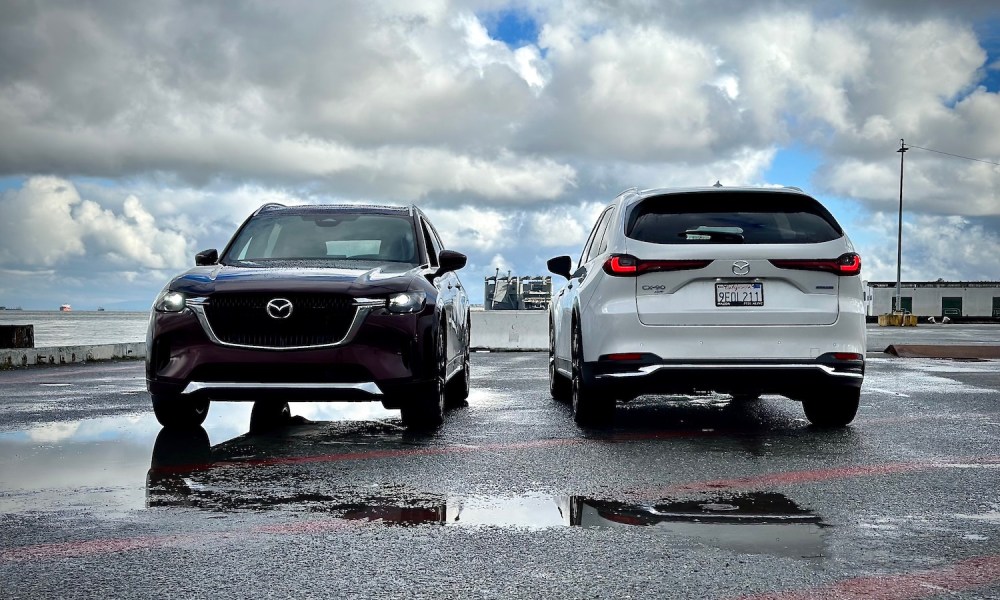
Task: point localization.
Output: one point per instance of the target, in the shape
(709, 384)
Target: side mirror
(560, 265)
(451, 260)
(206, 257)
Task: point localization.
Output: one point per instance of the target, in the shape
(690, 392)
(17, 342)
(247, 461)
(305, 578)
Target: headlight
(169, 301)
(406, 302)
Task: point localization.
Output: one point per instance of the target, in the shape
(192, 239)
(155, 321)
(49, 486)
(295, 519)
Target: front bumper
(382, 358)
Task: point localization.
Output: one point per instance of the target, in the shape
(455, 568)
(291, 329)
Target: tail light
(626, 265)
(847, 265)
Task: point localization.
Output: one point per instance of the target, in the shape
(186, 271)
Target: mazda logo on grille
(279, 308)
(741, 267)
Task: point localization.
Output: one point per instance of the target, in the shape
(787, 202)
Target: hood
(357, 279)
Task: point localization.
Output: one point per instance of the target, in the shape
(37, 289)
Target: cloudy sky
(133, 134)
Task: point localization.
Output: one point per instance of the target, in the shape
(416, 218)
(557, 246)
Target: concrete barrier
(22, 357)
(510, 330)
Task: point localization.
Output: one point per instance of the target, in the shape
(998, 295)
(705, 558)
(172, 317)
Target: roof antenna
(717, 184)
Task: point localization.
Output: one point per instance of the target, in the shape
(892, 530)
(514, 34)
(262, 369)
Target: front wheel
(591, 407)
(425, 410)
(835, 409)
(175, 410)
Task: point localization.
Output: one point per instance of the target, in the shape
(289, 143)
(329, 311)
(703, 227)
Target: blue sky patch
(513, 27)
(9, 183)
(988, 32)
(794, 167)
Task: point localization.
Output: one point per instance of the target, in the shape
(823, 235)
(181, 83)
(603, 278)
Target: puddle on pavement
(750, 523)
(102, 462)
(114, 465)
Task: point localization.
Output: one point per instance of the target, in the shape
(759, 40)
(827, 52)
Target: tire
(835, 409)
(425, 410)
(178, 411)
(268, 415)
(457, 390)
(560, 387)
(590, 406)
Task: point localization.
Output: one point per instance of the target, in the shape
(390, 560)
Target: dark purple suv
(315, 303)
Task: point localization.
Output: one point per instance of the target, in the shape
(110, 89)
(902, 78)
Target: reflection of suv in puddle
(315, 303)
(186, 472)
(751, 523)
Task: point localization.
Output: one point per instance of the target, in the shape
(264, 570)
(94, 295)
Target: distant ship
(10, 308)
(65, 308)
(100, 309)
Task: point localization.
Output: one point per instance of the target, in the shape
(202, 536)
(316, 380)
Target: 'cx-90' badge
(741, 267)
(279, 308)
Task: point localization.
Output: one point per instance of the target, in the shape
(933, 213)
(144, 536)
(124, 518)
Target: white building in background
(935, 298)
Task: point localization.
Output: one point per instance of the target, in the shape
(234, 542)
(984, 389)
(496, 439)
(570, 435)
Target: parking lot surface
(683, 497)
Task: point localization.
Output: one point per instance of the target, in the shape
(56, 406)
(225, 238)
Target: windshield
(330, 236)
(731, 218)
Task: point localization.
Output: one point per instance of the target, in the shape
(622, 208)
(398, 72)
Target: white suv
(743, 291)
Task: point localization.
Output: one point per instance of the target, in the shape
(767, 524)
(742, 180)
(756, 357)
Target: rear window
(731, 218)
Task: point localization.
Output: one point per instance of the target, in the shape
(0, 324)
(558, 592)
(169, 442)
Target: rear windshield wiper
(715, 235)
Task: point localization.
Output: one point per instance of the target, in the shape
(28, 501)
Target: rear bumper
(653, 375)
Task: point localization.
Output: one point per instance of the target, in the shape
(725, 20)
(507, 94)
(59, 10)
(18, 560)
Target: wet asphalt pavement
(692, 497)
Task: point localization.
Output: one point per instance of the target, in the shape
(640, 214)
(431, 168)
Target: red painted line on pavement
(115, 545)
(372, 454)
(799, 477)
(767, 480)
(961, 576)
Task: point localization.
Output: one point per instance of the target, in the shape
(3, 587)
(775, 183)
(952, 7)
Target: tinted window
(606, 236)
(731, 218)
(327, 236)
(433, 245)
(590, 250)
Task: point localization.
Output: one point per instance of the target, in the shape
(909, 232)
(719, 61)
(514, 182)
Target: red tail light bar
(626, 265)
(846, 265)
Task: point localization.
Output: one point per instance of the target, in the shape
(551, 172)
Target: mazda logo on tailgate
(741, 267)
(279, 308)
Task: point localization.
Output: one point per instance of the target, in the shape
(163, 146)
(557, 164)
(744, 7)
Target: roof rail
(627, 190)
(794, 188)
(269, 206)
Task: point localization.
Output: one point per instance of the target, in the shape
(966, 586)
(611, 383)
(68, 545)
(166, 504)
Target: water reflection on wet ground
(186, 471)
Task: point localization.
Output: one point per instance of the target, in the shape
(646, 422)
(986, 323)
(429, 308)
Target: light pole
(899, 236)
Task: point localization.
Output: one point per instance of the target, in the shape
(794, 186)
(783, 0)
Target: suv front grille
(316, 319)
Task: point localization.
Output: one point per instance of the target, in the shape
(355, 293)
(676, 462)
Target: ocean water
(77, 328)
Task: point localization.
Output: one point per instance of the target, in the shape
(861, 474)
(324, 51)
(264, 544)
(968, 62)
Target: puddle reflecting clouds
(182, 474)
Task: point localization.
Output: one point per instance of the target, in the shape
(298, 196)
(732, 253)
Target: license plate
(739, 294)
